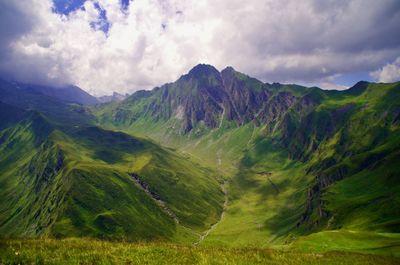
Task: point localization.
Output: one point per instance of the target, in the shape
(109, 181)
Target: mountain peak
(202, 69)
(358, 88)
(229, 69)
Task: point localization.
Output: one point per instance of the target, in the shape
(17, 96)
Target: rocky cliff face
(207, 96)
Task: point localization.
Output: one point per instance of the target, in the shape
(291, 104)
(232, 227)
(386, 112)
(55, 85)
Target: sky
(104, 46)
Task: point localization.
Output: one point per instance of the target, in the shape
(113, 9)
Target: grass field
(90, 251)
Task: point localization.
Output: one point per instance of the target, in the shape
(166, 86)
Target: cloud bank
(388, 73)
(109, 45)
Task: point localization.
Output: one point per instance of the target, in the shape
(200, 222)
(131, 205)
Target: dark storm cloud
(322, 39)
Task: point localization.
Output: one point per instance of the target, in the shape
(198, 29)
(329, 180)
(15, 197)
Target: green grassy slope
(262, 209)
(192, 192)
(350, 241)
(77, 181)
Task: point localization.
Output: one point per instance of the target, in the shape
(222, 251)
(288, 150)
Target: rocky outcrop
(154, 196)
(46, 165)
(314, 203)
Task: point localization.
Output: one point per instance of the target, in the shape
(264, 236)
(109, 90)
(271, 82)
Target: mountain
(67, 94)
(70, 93)
(206, 97)
(114, 97)
(300, 160)
(57, 110)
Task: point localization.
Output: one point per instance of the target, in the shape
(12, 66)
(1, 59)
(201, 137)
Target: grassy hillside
(78, 181)
(350, 241)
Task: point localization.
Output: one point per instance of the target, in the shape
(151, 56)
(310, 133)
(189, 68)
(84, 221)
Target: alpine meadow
(122, 143)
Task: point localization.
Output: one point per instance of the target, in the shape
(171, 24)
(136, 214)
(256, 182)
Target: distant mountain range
(286, 164)
(114, 97)
(69, 93)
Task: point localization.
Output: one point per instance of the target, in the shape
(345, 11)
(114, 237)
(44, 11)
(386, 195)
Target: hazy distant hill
(71, 94)
(114, 97)
(66, 93)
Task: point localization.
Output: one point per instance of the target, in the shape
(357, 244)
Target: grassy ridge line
(89, 251)
(169, 176)
(350, 241)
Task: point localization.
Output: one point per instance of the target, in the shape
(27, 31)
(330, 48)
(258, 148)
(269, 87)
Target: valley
(221, 218)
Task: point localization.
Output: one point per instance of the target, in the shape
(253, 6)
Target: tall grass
(89, 251)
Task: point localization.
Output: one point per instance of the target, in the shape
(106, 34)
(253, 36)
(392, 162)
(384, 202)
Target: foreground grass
(89, 251)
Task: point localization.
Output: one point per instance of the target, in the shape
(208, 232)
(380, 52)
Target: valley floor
(90, 251)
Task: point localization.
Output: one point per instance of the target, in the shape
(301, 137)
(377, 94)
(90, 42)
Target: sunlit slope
(77, 181)
(266, 198)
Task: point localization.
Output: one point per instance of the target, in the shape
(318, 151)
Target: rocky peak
(228, 69)
(203, 70)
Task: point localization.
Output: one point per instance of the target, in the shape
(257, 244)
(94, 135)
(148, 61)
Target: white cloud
(388, 73)
(284, 41)
(332, 86)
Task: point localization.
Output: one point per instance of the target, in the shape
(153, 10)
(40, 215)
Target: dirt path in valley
(207, 232)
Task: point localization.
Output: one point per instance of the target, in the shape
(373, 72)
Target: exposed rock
(314, 201)
(147, 189)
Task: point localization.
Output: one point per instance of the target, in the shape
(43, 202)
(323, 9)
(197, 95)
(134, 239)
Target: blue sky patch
(124, 4)
(351, 79)
(67, 6)
(103, 23)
